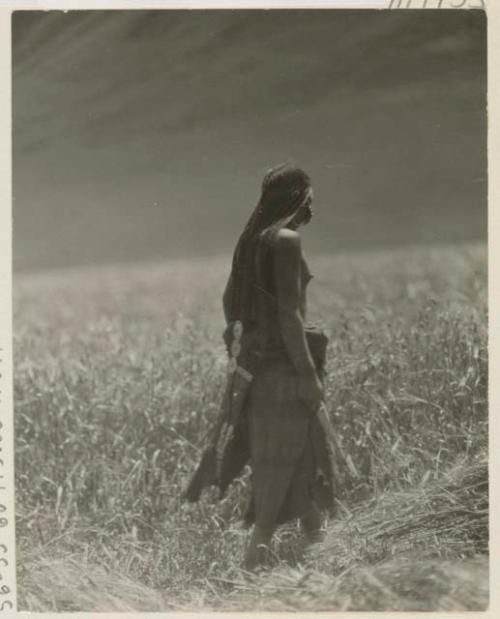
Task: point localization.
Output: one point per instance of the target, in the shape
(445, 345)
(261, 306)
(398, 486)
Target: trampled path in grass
(118, 374)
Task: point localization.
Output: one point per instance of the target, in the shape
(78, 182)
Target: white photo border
(7, 493)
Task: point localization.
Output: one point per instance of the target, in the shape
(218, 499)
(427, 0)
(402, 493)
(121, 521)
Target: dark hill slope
(141, 134)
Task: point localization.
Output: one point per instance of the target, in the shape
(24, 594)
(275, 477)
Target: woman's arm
(226, 297)
(287, 264)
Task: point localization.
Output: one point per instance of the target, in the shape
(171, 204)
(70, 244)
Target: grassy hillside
(118, 374)
(140, 135)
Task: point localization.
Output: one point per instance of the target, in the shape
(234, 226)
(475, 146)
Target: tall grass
(118, 375)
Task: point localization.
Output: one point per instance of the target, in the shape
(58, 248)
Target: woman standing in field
(266, 292)
(278, 427)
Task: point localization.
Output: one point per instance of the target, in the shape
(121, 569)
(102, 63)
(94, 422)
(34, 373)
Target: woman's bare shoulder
(287, 249)
(287, 239)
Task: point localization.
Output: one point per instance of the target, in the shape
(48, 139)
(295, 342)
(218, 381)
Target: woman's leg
(311, 524)
(257, 550)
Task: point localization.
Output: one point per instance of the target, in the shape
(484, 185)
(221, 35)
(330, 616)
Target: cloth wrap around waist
(228, 451)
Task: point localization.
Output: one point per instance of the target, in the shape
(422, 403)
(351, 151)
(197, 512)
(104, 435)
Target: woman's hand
(310, 391)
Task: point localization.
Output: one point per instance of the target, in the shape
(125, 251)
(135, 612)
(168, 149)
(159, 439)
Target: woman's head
(285, 201)
(286, 196)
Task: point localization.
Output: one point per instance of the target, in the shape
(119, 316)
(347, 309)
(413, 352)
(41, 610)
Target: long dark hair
(285, 189)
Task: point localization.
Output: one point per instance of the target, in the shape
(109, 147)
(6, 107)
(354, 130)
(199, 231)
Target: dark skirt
(287, 446)
(289, 457)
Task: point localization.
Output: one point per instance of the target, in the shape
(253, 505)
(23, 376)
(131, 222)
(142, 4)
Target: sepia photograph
(250, 310)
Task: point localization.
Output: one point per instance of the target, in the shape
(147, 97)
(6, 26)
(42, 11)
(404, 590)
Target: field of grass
(118, 375)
